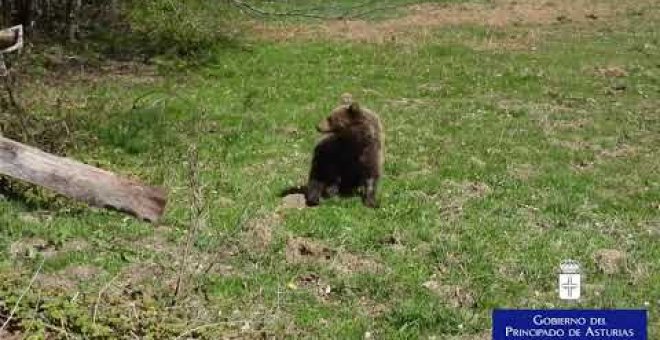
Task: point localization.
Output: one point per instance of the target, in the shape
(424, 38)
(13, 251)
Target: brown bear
(349, 157)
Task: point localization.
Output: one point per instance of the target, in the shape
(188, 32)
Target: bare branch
(98, 298)
(198, 217)
(13, 310)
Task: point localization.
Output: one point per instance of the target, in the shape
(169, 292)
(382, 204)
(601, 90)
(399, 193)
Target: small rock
(294, 201)
(609, 261)
(613, 71)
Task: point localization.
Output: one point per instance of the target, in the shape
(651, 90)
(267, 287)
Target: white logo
(569, 280)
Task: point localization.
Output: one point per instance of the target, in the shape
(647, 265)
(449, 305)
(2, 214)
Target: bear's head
(342, 119)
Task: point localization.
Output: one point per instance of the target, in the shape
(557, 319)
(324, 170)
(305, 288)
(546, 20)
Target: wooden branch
(82, 182)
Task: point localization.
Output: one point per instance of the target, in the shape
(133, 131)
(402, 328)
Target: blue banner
(574, 324)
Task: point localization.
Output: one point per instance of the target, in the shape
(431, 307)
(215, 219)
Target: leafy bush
(180, 28)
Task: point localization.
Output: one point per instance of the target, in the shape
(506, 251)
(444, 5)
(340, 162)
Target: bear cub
(349, 157)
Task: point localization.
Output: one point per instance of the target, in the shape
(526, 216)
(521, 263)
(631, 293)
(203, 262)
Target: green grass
(499, 165)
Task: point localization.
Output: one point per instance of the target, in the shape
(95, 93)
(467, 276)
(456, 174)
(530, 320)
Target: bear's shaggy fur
(349, 157)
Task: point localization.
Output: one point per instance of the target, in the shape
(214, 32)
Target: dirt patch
(455, 195)
(258, 232)
(55, 282)
(301, 250)
(350, 263)
(454, 295)
(6, 335)
(82, 273)
(68, 278)
(30, 247)
(315, 284)
(422, 18)
(157, 242)
(372, 308)
(144, 282)
(141, 272)
(612, 71)
(609, 261)
(74, 245)
(619, 151)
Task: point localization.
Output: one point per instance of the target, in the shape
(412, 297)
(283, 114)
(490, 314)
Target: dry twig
(98, 298)
(11, 314)
(197, 215)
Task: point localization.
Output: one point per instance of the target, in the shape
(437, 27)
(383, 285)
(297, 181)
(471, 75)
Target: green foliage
(179, 28)
(500, 163)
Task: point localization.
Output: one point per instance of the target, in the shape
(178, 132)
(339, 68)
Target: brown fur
(349, 157)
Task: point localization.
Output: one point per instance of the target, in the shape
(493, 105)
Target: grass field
(517, 135)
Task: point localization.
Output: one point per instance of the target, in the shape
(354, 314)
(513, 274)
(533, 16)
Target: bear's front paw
(371, 203)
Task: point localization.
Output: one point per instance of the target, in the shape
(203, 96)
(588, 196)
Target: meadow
(518, 134)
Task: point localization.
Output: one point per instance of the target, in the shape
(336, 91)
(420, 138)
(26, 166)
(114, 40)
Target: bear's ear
(346, 99)
(354, 109)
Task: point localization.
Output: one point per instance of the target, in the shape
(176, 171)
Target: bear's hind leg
(369, 193)
(331, 190)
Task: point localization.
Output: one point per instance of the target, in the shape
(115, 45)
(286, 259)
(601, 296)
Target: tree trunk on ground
(7, 38)
(82, 182)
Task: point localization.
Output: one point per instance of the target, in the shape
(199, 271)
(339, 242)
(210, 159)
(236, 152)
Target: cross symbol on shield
(569, 286)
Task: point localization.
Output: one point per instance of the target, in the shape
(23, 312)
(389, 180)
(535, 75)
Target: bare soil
(422, 18)
(303, 250)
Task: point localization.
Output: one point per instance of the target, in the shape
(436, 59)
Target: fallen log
(7, 38)
(82, 182)
(11, 39)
